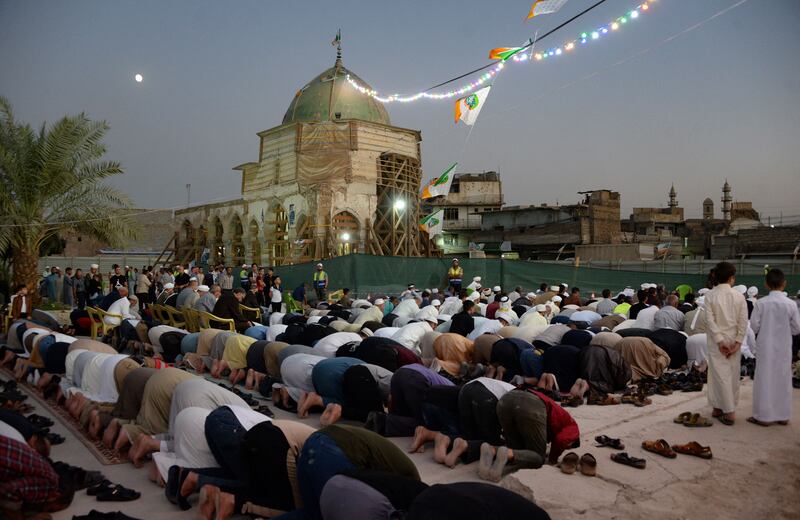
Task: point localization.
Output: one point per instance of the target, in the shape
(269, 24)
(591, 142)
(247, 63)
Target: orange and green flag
(440, 185)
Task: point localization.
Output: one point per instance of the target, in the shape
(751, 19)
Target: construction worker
(321, 283)
(454, 276)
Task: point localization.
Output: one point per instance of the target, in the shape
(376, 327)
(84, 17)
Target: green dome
(329, 97)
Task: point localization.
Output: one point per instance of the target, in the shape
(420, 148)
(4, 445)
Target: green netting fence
(367, 274)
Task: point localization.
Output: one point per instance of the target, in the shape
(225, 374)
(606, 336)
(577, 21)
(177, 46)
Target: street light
(399, 204)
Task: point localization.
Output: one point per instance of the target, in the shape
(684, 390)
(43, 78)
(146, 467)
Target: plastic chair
(252, 313)
(206, 319)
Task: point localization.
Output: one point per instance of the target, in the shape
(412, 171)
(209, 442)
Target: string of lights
(518, 57)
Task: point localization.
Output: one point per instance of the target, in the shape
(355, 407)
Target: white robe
(775, 320)
(726, 322)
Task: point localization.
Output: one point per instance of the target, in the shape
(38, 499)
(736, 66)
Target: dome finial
(337, 42)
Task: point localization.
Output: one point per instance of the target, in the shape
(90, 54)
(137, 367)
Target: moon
(139, 78)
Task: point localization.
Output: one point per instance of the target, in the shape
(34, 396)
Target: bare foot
(421, 436)
(208, 500)
(459, 447)
(490, 371)
(257, 378)
(308, 400)
(123, 441)
(189, 484)
(227, 504)
(332, 413)
(8, 358)
(44, 380)
(222, 367)
(440, 444)
(215, 370)
(142, 446)
(94, 424)
(154, 475)
(248, 382)
(110, 435)
(501, 371)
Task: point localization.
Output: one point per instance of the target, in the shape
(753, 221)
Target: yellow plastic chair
(174, 316)
(206, 319)
(252, 313)
(190, 317)
(100, 328)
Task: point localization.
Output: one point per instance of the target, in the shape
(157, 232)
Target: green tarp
(367, 274)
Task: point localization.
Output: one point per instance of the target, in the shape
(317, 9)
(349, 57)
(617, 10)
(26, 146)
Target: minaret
(673, 201)
(726, 201)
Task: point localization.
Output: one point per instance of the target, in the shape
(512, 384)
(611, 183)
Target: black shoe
(118, 493)
(39, 421)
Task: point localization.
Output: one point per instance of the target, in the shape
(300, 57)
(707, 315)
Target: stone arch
(217, 244)
(236, 235)
(253, 233)
(345, 234)
(277, 234)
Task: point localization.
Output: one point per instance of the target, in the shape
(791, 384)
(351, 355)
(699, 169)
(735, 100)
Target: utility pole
(188, 195)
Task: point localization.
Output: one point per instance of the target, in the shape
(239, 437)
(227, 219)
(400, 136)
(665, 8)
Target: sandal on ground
(693, 448)
(610, 442)
(725, 420)
(698, 421)
(39, 421)
(103, 487)
(682, 418)
(753, 420)
(588, 465)
(627, 460)
(569, 464)
(118, 493)
(664, 390)
(660, 447)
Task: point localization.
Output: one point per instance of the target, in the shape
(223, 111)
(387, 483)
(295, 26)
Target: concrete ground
(755, 472)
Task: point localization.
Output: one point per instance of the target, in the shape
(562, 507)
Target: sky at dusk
(631, 112)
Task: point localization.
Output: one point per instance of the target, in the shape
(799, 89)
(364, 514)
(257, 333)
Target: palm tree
(51, 181)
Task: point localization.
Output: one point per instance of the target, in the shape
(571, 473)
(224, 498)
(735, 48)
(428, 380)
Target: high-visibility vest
(320, 277)
(455, 274)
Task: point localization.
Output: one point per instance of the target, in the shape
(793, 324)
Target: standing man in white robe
(726, 324)
(775, 320)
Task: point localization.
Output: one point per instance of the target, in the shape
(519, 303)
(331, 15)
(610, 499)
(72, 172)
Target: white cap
(133, 297)
(436, 303)
(541, 308)
(496, 288)
(202, 288)
(530, 295)
(507, 316)
(193, 279)
(245, 266)
(555, 287)
(487, 291)
(476, 279)
(740, 288)
(434, 291)
(504, 299)
(379, 301)
(556, 299)
(429, 313)
(94, 266)
(412, 286)
(367, 332)
(455, 259)
(752, 291)
(703, 291)
(571, 306)
(319, 265)
(169, 285)
(700, 300)
(474, 296)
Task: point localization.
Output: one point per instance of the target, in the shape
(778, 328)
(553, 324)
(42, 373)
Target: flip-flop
(627, 460)
(588, 465)
(610, 442)
(682, 418)
(693, 448)
(698, 421)
(753, 420)
(660, 447)
(724, 420)
(569, 464)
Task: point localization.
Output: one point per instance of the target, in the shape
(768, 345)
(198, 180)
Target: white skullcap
(487, 292)
(133, 297)
(645, 286)
(436, 303)
(700, 300)
(429, 313)
(703, 291)
(752, 291)
(244, 265)
(507, 316)
(556, 299)
(574, 307)
(193, 279)
(476, 279)
(555, 287)
(367, 332)
(496, 288)
(411, 286)
(628, 291)
(169, 285)
(94, 266)
(319, 265)
(202, 288)
(541, 308)
(434, 291)
(474, 296)
(530, 295)
(379, 301)
(504, 299)
(740, 288)
(565, 284)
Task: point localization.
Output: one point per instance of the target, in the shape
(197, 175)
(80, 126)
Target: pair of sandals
(627, 460)
(693, 420)
(609, 442)
(662, 447)
(107, 491)
(587, 464)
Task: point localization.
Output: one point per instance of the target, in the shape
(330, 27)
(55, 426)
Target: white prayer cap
(202, 288)
(565, 284)
(94, 266)
(628, 291)
(740, 288)
(504, 299)
(245, 265)
(496, 288)
(434, 291)
(573, 307)
(319, 265)
(530, 295)
(436, 303)
(487, 292)
(132, 297)
(645, 286)
(411, 286)
(476, 279)
(506, 316)
(474, 296)
(555, 288)
(169, 285)
(455, 260)
(752, 291)
(367, 332)
(556, 299)
(703, 291)
(379, 301)
(541, 308)
(428, 313)
(193, 279)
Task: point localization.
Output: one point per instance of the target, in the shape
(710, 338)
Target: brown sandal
(661, 447)
(698, 421)
(693, 448)
(588, 465)
(569, 464)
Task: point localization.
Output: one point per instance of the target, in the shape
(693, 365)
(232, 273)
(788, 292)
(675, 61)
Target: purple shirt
(432, 377)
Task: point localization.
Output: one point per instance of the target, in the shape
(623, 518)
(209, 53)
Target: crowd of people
(483, 373)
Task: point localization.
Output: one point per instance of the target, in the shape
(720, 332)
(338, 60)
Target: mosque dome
(329, 97)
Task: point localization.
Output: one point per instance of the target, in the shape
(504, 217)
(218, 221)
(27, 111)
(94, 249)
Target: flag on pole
(468, 107)
(545, 7)
(441, 184)
(432, 224)
(503, 53)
